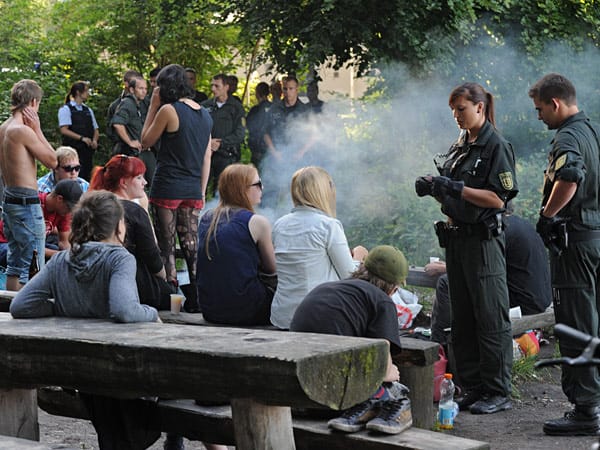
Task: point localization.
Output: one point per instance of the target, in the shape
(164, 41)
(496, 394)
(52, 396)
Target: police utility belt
(228, 152)
(484, 231)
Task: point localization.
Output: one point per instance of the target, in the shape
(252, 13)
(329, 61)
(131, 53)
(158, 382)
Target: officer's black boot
(581, 421)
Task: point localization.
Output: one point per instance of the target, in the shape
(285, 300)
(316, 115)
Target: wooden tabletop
(171, 361)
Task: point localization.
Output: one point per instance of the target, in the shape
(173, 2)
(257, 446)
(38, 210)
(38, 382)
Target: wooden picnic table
(261, 372)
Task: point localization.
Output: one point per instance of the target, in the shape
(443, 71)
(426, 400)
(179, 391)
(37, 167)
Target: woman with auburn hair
(235, 253)
(124, 176)
(310, 245)
(182, 170)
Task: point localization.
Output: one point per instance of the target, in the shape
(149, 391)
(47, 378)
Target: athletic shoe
(580, 421)
(490, 404)
(355, 418)
(468, 399)
(394, 417)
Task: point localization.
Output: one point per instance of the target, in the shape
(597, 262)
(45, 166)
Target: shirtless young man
(21, 144)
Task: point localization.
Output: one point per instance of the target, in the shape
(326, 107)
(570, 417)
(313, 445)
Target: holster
(442, 230)
(494, 225)
(558, 241)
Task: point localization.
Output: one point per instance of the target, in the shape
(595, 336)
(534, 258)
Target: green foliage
(298, 35)
(503, 44)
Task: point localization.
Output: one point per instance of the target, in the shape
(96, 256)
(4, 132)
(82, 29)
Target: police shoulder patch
(560, 162)
(506, 180)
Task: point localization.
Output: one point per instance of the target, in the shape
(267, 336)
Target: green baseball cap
(387, 263)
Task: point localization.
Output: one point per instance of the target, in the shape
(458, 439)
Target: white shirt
(310, 248)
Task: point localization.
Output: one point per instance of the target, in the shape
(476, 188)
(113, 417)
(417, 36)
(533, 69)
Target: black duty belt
(21, 200)
(479, 230)
(588, 235)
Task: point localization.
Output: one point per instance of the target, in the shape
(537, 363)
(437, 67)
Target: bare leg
(12, 283)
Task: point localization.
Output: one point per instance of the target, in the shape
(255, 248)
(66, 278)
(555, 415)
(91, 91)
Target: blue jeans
(25, 230)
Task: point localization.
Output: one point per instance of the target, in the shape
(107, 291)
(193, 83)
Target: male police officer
(571, 206)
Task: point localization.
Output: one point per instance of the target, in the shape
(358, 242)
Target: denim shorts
(25, 230)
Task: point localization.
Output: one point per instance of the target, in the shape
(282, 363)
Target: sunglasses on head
(76, 168)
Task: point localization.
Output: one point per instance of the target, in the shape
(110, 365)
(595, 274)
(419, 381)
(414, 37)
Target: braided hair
(95, 218)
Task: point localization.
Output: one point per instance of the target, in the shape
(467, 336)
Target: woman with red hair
(124, 176)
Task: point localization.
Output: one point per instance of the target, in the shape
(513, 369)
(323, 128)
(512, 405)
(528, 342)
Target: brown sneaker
(355, 418)
(395, 417)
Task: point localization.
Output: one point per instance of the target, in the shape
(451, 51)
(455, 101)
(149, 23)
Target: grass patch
(523, 370)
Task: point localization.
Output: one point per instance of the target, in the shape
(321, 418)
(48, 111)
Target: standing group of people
(476, 181)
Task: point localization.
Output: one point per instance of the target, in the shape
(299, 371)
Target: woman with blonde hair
(310, 245)
(235, 254)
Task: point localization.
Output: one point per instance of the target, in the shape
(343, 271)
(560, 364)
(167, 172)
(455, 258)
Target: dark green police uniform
(481, 330)
(131, 114)
(228, 125)
(575, 157)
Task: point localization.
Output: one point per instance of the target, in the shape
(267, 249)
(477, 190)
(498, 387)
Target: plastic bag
(406, 307)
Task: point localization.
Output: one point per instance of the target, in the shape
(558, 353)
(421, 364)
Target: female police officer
(477, 179)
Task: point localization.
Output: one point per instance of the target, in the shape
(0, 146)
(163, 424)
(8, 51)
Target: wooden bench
(13, 443)
(261, 372)
(415, 363)
(417, 277)
(215, 424)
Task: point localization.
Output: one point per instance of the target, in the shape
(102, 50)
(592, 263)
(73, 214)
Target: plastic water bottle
(447, 406)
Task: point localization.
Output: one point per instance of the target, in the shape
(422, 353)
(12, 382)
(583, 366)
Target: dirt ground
(516, 429)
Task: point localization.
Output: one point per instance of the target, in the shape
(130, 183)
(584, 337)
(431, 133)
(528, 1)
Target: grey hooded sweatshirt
(98, 282)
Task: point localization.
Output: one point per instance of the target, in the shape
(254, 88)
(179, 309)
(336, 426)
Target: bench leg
(19, 413)
(420, 381)
(261, 427)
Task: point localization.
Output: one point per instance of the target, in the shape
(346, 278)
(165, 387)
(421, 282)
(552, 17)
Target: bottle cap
(448, 376)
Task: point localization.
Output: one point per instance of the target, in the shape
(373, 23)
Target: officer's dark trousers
(575, 278)
(481, 330)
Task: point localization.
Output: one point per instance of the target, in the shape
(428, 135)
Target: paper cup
(176, 300)
(515, 313)
(433, 259)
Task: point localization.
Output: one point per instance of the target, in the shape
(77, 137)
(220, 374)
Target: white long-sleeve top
(310, 248)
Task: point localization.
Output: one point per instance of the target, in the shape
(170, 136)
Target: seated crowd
(302, 269)
(110, 253)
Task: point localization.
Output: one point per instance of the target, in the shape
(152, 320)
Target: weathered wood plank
(184, 318)
(13, 443)
(18, 413)
(542, 320)
(210, 363)
(214, 424)
(418, 277)
(260, 426)
(187, 418)
(415, 363)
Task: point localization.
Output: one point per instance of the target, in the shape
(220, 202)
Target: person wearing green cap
(361, 306)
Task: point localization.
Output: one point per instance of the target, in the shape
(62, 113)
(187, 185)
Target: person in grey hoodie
(95, 278)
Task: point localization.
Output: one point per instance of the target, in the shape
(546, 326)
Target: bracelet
(81, 138)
